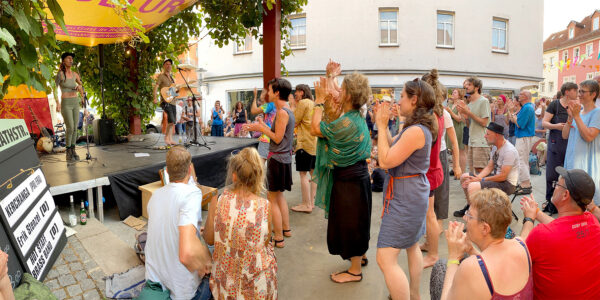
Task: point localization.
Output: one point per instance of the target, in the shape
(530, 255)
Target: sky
(558, 13)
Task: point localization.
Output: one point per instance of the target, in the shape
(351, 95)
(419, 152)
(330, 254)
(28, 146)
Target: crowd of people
(342, 159)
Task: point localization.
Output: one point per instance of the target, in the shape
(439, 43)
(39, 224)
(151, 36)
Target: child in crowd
(377, 177)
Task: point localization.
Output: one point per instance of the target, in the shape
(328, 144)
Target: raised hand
(320, 91)
(574, 108)
(457, 240)
(333, 69)
(529, 206)
(382, 113)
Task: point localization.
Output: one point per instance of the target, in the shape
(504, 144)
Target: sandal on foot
(278, 242)
(364, 261)
(287, 233)
(347, 272)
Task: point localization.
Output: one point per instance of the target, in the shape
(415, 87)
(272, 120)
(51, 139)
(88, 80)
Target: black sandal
(276, 242)
(284, 232)
(364, 261)
(347, 272)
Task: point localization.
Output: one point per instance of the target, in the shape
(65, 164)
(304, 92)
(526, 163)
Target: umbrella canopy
(93, 22)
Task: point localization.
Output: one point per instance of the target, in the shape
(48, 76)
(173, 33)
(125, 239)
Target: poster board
(31, 224)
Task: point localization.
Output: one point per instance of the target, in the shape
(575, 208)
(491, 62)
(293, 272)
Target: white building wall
(348, 32)
(550, 75)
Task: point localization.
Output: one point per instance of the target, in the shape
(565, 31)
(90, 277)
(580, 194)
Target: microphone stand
(195, 123)
(88, 156)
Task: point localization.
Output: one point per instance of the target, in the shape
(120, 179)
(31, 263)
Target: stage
(117, 170)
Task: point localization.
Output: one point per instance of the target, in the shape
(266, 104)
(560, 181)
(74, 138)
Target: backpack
(534, 166)
(140, 245)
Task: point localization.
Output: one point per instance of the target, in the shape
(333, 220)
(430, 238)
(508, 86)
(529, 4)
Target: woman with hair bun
(406, 157)
(238, 224)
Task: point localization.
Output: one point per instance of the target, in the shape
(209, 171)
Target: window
(551, 61)
(388, 26)
(245, 46)
(499, 28)
(445, 29)
(569, 79)
(571, 32)
(298, 34)
(542, 86)
(589, 49)
(589, 76)
(576, 52)
(551, 86)
(596, 23)
(565, 55)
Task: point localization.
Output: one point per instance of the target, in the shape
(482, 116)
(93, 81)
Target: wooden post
(271, 42)
(134, 117)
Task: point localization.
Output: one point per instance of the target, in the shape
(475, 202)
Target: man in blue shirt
(525, 133)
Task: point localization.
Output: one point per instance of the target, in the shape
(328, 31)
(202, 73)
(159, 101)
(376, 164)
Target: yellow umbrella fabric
(93, 22)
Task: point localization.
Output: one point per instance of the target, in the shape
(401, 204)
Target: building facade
(391, 42)
(578, 50)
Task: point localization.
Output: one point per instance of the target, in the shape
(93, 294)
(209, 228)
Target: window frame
(586, 48)
(505, 50)
(565, 55)
(550, 86)
(236, 48)
(578, 52)
(448, 13)
(571, 33)
(542, 87)
(298, 46)
(589, 76)
(596, 23)
(389, 36)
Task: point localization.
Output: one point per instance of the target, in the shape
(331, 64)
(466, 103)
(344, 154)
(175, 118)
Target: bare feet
(345, 276)
(429, 261)
(302, 208)
(424, 247)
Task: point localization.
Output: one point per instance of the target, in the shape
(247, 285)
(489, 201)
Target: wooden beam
(271, 42)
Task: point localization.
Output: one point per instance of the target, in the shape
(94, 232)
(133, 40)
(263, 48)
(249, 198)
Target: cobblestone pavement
(75, 275)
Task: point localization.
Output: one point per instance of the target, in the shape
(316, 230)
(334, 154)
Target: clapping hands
(529, 207)
(333, 69)
(458, 243)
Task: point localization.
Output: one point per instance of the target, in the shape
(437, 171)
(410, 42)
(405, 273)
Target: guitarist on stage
(165, 79)
(70, 84)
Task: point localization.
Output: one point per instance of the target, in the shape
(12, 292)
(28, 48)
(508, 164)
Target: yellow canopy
(93, 22)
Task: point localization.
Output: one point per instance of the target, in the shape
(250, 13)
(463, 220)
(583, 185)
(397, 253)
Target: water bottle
(72, 216)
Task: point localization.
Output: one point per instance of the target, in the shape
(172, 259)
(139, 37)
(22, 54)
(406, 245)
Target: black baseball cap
(64, 55)
(168, 60)
(495, 127)
(579, 184)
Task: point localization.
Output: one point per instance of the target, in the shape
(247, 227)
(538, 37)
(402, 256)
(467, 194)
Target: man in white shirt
(502, 171)
(175, 256)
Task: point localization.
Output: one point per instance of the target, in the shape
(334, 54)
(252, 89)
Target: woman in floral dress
(244, 265)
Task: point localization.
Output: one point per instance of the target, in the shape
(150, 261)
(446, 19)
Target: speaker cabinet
(104, 131)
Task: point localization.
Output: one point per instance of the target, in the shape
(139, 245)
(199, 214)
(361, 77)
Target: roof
(583, 32)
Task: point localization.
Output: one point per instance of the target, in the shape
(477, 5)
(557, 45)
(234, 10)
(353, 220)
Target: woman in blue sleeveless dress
(406, 157)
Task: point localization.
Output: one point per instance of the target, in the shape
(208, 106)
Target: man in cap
(502, 170)
(165, 79)
(565, 253)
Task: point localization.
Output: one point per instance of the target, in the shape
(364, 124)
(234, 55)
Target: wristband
(528, 219)
(321, 105)
(453, 262)
(482, 179)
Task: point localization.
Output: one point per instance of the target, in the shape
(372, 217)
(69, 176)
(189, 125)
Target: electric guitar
(169, 93)
(44, 143)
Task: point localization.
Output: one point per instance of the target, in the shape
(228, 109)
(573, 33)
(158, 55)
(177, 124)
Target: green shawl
(345, 142)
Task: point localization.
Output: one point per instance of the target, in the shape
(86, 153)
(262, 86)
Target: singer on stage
(69, 83)
(165, 79)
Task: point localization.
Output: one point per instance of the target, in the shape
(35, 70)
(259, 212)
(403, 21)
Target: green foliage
(127, 89)
(25, 49)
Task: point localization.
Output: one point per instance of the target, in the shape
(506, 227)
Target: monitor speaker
(104, 131)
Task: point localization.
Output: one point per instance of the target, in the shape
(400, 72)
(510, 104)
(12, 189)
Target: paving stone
(91, 295)
(90, 265)
(52, 274)
(71, 258)
(62, 270)
(52, 284)
(80, 275)
(84, 256)
(101, 285)
(76, 298)
(74, 290)
(66, 280)
(75, 266)
(87, 284)
(96, 274)
(59, 261)
(60, 294)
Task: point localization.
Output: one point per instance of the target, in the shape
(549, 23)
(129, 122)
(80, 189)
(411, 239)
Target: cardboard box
(148, 189)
